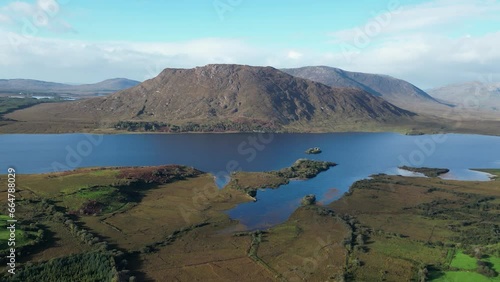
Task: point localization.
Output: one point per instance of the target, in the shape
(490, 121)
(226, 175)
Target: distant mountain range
(229, 97)
(396, 91)
(221, 98)
(470, 95)
(29, 86)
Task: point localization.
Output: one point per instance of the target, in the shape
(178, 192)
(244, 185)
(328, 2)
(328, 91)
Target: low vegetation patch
(158, 175)
(242, 125)
(424, 229)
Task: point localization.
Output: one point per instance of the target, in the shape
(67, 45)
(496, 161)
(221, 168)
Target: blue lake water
(358, 155)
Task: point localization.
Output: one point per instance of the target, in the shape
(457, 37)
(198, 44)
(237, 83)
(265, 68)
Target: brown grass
(165, 209)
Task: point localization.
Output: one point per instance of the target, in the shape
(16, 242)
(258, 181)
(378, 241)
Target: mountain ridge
(220, 93)
(396, 91)
(473, 95)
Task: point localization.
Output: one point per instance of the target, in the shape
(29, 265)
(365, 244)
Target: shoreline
(111, 133)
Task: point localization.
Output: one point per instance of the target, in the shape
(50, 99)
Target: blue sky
(429, 43)
(149, 20)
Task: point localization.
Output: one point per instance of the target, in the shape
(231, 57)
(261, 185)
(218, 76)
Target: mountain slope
(229, 93)
(396, 91)
(44, 87)
(472, 95)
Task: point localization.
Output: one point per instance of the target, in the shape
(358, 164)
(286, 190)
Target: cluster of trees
(256, 240)
(83, 235)
(92, 266)
(78, 232)
(223, 126)
(486, 269)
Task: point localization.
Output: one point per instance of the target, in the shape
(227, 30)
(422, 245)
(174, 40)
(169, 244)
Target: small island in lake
(308, 200)
(301, 169)
(315, 150)
(427, 171)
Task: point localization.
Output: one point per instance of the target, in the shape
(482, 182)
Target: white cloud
(80, 61)
(432, 60)
(4, 18)
(429, 17)
(294, 55)
(421, 59)
(419, 43)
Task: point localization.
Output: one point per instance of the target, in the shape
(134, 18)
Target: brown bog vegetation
(168, 224)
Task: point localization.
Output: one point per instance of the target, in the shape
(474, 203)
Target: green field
(111, 198)
(467, 266)
(463, 261)
(463, 276)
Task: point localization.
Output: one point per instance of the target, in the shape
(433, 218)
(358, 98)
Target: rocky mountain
(30, 86)
(398, 92)
(228, 97)
(470, 95)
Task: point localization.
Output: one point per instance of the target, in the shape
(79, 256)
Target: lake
(358, 155)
